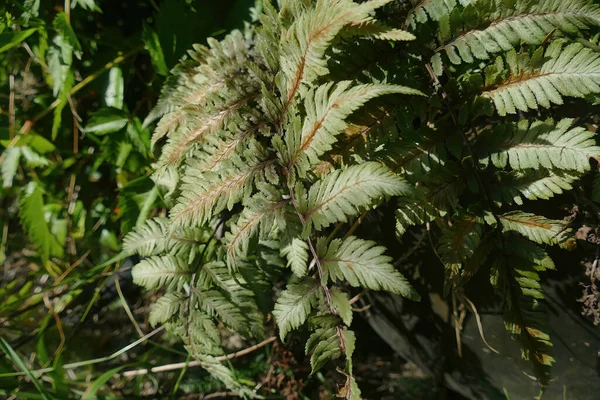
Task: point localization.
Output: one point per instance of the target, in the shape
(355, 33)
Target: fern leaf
(327, 107)
(573, 71)
(505, 24)
(205, 193)
(260, 211)
(459, 242)
(324, 344)
(162, 272)
(363, 264)
(525, 317)
(425, 10)
(294, 305)
(304, 43)
(166, 308)
(414, 210)
(31, 212)
(296, 254)
(341, 304)
(214, 302)
(512, 187)
(541, 144)
(153, 238)
(340, 194)
(224, 375)
(534, 227)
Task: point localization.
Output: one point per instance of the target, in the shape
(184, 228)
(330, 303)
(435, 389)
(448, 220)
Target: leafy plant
(275, 143)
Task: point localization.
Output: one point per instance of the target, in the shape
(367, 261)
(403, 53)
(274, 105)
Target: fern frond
(260, 211)
(341, 193)
(541, 144)
(415, 210)
(295, 304)
(534, 227)
(503, 24)
(204, 193)
(31, 212)
(425, 10)
(327, 107)
(165, 308)
(158, 272)
(362, 264)
(525, 316)
(296, 253)
(153, 238)
(512, 187)
(573, 71)
(304, 43)
(324, 344)
(341, 304)
(216, 303)
(459, 241)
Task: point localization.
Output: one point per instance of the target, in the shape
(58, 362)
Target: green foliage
(258, 139)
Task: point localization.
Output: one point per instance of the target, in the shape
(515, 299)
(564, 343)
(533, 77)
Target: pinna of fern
(265, 175)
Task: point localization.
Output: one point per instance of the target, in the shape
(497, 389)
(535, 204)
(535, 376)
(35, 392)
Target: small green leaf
(113, 96)
(106, 121)
(152, 44)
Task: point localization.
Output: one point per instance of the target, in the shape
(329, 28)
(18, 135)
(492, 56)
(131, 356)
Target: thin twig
(61, 333)
(11, 107)
(470, 304)
(68, 270)
(126, 306)
(171, 367)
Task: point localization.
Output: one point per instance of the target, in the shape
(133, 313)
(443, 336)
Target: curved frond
(572, 71)
(541, 144)
(363, 264)
(295, 304)
(339, 194)
(158, 272)
(502, 25)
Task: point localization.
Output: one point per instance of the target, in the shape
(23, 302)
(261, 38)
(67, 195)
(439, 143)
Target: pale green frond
(303, 44)
(295, 304)
(213, 302)
(260, 211)
(572, 71)
(341, 303)
(165, 308)
(225, 375)
(328, 106)
(31, 212)
(205, 193)
(343, 192)
(296, 253)
(158, 272)
(425, 10)
(534, 227)
(512, 187)
(362, 263)
(541, 144)
(154, 238)
(415, 210)
(324, 344)
(504, 24)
